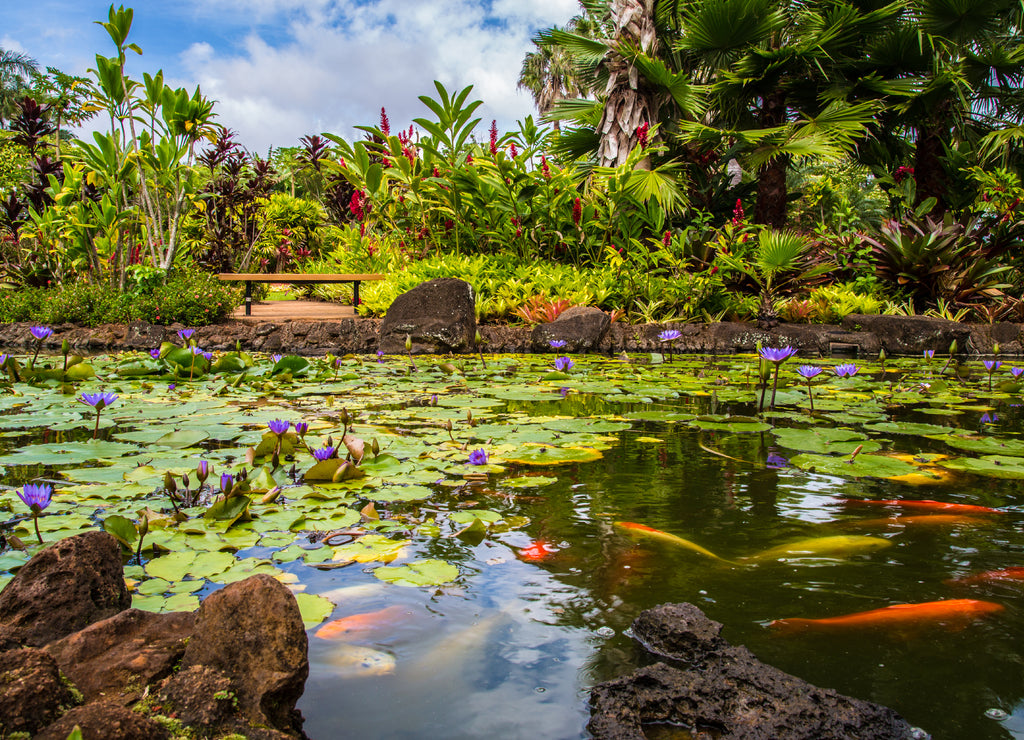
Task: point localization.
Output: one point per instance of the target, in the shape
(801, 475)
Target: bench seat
(299, 279)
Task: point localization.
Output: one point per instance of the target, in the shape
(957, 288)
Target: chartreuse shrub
(189, 297)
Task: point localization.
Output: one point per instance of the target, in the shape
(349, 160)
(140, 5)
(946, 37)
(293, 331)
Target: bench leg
(355, 293)
(248, 298)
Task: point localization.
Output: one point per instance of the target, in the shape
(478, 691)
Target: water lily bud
(881, 355)
(184, 480)
(169, 483)
(344, 416)
(203, 471)
(995, 349)
(448, 425)
(374, 447)
(65, 347)
(238, 346)
(408, 343)
(143, 526)
(478, 339)
(469, 416)
(952, 347)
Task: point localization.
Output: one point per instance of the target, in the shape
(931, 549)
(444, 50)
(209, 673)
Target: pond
(528, 568)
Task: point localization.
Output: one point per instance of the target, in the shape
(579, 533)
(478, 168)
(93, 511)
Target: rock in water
(62, 589)
(251, 632)
(581, 328)
(728, 689)
(120, 656)
(439, 316)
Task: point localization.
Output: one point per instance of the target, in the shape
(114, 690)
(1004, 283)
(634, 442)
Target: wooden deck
(295, 311)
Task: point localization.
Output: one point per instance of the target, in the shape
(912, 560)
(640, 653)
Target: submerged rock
(726, 691)
(439, 316)
(62, 589)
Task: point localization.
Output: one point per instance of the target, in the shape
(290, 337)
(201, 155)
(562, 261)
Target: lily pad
(418, 573)
(863, 466)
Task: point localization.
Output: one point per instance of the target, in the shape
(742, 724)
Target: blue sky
(281, 69)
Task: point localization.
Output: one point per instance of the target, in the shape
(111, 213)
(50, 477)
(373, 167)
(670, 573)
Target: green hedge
(189, 297)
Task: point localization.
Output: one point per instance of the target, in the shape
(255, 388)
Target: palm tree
(15, 68)
(549, 74)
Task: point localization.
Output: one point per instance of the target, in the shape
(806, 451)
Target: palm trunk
(772, 191)
(929, 174)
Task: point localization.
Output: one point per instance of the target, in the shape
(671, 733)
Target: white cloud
(339, 62)
(6, 42)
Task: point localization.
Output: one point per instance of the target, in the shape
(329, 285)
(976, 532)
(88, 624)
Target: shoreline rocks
(237, 665)
(725, 692)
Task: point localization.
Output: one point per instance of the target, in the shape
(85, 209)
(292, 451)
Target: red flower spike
(494, 137)
(385, 124)
(577, 211)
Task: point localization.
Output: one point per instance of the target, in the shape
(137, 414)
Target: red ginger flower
(737, 213)
(385, 124)
(494, 137)
(641, 133)
(544, 169)
(577, 211)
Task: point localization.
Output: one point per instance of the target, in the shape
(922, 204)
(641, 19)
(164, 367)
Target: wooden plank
(295, 311)
(260, 277)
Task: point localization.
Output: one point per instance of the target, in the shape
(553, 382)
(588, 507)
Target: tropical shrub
(190, 296)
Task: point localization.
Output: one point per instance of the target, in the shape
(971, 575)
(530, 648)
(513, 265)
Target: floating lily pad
(418, 573)
(371, 548)
(863, 466)
(992, 466)
(313, 608)
(539, 454)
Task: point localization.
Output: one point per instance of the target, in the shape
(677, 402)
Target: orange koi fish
(656, 534)
(923, 504)
(536, 551)
(951, 613)
(935, 520)
(1006, 574)
(359, 626)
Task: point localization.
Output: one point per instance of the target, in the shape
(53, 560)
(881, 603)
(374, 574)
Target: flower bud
(408, 343)
(169, 483)
(143, 526)
(952, 348)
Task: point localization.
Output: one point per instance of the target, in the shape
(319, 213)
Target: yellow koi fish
(822, 547)
(643, 530)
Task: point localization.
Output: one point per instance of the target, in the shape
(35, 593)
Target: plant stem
(775, 386)
(96, 428)
(35, 520)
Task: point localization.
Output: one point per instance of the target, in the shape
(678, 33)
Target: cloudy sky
(281, 69)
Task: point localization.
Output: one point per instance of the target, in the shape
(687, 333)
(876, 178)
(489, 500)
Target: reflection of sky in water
(808, 496)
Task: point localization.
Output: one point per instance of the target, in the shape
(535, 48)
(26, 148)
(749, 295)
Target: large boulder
(32, 692)
(581, 328)
(116, 658)
(439, 316)
(728, 689)
(62, 589)
(250, 633)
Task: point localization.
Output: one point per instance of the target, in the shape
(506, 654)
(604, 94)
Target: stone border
(859, 335)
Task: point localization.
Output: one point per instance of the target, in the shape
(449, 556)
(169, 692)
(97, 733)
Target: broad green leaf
(418, 573)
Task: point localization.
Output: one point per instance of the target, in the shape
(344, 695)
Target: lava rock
(252, 633)
(911, 335)
(104, 720)
(581, 328)
(62, 589)
(728, 690)
(439, 316)
(116, 658)
(32, 692)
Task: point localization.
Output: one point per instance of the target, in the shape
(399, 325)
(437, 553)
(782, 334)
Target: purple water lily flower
(98, 401)
(478, 457)
(1014, 371)
(987, 418)
(929, 354)
(196, 350)
(276, 358)
(208, 356)
(776, 462)
(203, 471)
(301, 427)
(37, 496)
(563, 391)
(564, 364)
(777, 355)
(992, 365)
(279, 427)
(323, 453)
(670, 335)
(808, 371)
(556, 343)
(154, 353)
(41, 332)
(172, 386)
(185, 334)
(227, 482)
(846, 370)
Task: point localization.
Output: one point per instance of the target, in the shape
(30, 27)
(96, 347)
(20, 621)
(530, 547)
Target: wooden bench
(296, 278)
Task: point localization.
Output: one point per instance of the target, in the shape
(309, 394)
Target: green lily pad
(371, 548)
(529, 481)
(541, 454)
(418, 573)
(313, 608)
(992, 466)
(863, 466)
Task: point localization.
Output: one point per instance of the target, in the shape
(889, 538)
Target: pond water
(531, 579)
